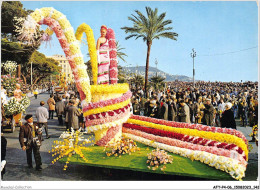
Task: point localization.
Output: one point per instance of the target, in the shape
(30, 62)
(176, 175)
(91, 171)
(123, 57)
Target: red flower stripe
(110, 134)
(187, 145)
(105, 103)
(108, 119)
(191, 126)
(113, 55)
(184, 138)
(107, 114)
(64, 44)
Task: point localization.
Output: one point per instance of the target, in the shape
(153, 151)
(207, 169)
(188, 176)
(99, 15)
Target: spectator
(244, 108)
(227, 119)
(73, 115)
(51, 103)
(153, 109)
(184, 112)
(171, 110)
(30, 141)
(3, 154)
(136, 107)
(208, 113)
(42, 116)
(60, 110)
(192, 108)
(164, 110)
(66, 116)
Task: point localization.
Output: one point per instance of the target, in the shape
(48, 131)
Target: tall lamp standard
(156, 63)
(31, 73)
(193, 54)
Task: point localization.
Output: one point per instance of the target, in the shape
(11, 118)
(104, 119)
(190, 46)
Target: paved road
(16, 169)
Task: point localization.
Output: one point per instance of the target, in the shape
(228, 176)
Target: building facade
(64, 64)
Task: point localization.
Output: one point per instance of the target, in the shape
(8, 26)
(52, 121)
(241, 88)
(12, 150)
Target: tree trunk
(19, 71)
(24, 79)
(149, 44)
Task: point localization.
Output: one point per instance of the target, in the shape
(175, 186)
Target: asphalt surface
(16, 168)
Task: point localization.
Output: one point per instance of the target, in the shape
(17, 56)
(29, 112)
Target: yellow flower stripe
(91, 47)
(112, 88)
(220, 137)
(107, 108)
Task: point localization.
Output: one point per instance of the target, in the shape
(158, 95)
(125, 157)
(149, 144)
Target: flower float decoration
(221, 150)
(10, 66)
(13, 107)
(124, 146)
(91, 47)
(158, 157)
(113, 71)
(59, 24)
(73, 143)
(107, 108)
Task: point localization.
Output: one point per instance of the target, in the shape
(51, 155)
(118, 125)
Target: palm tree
(157, 82)
(138, 80)
(149, 28)
(120, 54)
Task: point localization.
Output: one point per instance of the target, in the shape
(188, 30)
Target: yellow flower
(70, 36)
(91, 47)
(64, 23)
(56, 15)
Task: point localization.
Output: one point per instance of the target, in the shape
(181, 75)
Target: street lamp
(156, 63)
(31, 73)
(193, 54)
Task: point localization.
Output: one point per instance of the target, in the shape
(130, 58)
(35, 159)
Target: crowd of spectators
(209, 103)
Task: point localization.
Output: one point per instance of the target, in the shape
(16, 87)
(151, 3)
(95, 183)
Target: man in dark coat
(30, 140)
(73, 115)
(208, 113)
(136, 107)
(164, 110)
(227, 120)
(172, 110)
(60, 110)
(3, 154)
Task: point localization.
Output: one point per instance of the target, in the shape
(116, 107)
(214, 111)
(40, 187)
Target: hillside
(152, 72)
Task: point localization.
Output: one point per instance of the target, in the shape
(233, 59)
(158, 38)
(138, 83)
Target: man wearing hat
(30, 141)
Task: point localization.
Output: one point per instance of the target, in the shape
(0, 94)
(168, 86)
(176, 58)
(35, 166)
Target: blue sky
(213, 27)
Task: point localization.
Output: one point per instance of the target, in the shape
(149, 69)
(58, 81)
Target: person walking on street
(60, 110)
(73, 115)
(30, 141)
(66, 115)
(184, 113)
(51, 103)
(36, 92)
(42, 116)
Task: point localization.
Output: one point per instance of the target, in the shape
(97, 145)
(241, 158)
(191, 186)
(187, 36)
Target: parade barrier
(107, 108)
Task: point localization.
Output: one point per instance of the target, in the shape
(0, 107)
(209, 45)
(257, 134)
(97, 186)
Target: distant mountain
(152, 72)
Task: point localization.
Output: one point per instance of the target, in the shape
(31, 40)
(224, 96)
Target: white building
(64, 63)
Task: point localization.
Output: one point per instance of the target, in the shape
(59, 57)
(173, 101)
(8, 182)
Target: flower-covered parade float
(126, 141)
(14, 102)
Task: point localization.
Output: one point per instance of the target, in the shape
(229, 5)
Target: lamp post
(193, 55)
(156, 63)
(31, 73)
